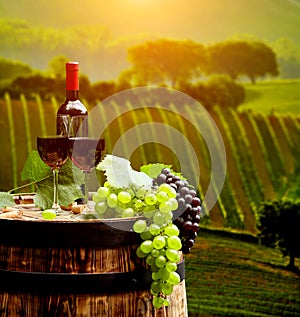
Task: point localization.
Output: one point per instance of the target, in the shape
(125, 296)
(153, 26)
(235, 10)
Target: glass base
(55, 207)
(86, 210)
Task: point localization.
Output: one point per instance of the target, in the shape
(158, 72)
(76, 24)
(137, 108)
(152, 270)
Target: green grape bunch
(167, 212)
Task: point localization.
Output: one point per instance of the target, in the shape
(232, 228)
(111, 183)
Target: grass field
(228, 277)
(280, 96)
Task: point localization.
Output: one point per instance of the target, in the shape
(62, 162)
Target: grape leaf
(116, 170)
(44, 194)
(120, 174)
(66, 194)
(34, 169)
(153, 170)
(70, 178)
(140, 179)
(6, 200)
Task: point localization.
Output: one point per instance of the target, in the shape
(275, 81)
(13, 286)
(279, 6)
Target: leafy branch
(38, 173)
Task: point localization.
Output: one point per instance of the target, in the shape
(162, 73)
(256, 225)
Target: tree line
(278, 227)
(210, 74)
(171, 61)
(95, 44)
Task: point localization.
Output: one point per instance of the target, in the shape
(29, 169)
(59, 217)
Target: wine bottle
(72, 105)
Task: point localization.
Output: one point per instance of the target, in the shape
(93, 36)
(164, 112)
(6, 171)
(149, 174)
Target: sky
(194, 19)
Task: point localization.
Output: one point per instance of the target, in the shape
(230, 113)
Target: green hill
(276, 96)
(228, 277)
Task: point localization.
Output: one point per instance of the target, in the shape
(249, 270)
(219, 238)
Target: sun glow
(143, 2)
(144, 16)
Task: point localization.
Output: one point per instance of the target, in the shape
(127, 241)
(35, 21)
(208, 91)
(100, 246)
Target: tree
(218, 90)
(242, 58)
(288, 55)
(225, 92)
(57, 66)
(10, 69)
(101, 90)
(161, 61)
(278, 226)
(38, 84)
(263, 63)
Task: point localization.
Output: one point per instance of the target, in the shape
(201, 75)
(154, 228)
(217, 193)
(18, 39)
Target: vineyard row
(261, 150)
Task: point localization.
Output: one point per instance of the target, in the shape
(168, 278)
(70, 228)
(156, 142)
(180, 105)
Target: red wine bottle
(72, 105)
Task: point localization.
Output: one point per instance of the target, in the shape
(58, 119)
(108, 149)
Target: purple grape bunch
(187, 216)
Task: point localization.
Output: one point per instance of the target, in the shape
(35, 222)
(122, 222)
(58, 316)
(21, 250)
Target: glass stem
(55, 205)
(86, 188)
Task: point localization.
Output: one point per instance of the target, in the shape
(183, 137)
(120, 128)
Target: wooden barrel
(55, 268)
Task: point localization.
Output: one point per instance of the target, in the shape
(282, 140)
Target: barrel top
(31, 229)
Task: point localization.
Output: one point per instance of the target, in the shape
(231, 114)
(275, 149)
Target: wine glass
(53, 150)
(84, 151)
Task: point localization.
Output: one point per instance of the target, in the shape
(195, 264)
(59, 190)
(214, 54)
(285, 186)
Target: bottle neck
(72, 81)
(72, 94)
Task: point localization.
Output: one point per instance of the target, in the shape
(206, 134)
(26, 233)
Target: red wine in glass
(85, 152)
(53, 150)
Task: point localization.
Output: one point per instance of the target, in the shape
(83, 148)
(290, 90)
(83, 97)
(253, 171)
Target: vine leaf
(6, 200)
(153, 170)
(70, 179)
(120, 174)
(35, 169)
